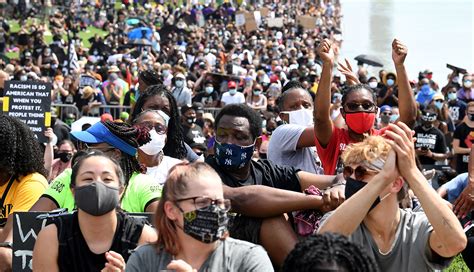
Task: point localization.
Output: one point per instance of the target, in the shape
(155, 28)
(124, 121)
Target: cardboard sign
(250, 22)
(275, 22)
(307, 22)
(264, 12)
(239, 19)
(31, 103)
(26, 227)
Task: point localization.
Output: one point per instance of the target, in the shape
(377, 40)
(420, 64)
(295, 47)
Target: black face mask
(353, 186)
(65, 157)
(471, 117)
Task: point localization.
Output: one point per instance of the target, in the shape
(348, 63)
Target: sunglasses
(366, 106)
(360, 172)
(386, 113)
(439, 100)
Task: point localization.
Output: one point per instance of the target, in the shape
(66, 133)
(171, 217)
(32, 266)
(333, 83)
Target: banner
(31, 103)
(26, 227)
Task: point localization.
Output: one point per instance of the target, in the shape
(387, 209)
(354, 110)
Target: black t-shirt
(74, 253)
(433, 139)
(389, 100)
(465, 135)
(206, 99)
(457, 110)
(194, 135)
(262, 172)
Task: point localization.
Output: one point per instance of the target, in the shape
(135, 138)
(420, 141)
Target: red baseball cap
(231, 84)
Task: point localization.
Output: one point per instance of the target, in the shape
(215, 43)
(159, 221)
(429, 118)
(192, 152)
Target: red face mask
(360, 122)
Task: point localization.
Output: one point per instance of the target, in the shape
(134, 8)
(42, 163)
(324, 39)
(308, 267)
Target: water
(436, 32)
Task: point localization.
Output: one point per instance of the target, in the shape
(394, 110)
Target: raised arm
(407, 106)
(465, 202)
(322, 101)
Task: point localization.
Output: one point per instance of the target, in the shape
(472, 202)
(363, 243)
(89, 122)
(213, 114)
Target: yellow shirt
(21, 196)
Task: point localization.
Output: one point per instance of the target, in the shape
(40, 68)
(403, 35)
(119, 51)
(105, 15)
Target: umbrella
(132, 21)
(140, 33)
(369, 60)
(77, 125)
(140, 42)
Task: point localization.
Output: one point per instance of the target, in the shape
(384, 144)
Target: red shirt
(330, 156)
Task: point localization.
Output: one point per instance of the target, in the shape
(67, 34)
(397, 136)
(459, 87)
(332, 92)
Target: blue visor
(98, 133)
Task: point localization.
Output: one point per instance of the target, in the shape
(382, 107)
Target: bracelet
(6, 244)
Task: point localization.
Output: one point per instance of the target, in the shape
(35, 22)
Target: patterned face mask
(232, 156)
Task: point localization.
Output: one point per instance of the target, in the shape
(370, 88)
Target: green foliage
(457, 265)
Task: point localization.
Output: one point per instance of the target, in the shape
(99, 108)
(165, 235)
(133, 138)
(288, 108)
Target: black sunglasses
(366, 106)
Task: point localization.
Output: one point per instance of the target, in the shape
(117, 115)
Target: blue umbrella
(140, 33)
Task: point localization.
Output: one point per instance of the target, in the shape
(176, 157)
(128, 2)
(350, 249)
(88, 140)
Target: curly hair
(174, 146)
(369, 150)
(20, 154)
(328, 252)
(134, 137)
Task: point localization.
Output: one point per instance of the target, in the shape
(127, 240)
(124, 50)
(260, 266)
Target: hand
(399, 52)
(333, 197)
(401, 140)
(346, 70)
(49, 134)
(115, 262)
(180, 266)
(465, 202)
(390, 171)
(326, 52)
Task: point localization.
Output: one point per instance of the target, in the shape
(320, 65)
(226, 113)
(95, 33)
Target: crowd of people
(255, 147)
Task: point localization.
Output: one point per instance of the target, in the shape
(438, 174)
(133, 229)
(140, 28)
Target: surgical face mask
(438, 105)
(467, 83)
(257, 92)
(23, 78)
(373, 84)
(206, 225)
(232, 91)
(232, 156)
(390, 82)
(209, 90)
(394, 118)
(452, 96)
(65, 156)
(179, 83)
(165, 73)
(96, 198)
(302, 117)
(156, 144)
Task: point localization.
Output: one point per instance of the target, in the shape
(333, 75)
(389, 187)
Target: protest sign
(275, 22)
(265, 12)
(87, 80)
(31, 103)
(26, 227)
(258, 17)
(250, 22)
(307, 22)
(239, 19)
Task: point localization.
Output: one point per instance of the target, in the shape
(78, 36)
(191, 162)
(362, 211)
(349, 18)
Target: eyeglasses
(386, 113)
(360, 172)
(159, 128)
(365, 106)
(201, 202)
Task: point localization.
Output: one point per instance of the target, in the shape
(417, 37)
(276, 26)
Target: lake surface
(436, 32)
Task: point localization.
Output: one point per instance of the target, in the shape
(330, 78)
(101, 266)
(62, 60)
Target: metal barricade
(213, 111)
(114, 110)
(62, 110)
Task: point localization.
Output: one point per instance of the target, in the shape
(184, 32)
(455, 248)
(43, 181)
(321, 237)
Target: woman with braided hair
(328, 252)
(156, 97)
(22, 178)
(120, 142)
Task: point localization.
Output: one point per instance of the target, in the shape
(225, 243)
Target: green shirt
(140, 192)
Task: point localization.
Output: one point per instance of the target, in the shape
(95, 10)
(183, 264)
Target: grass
(457, 265)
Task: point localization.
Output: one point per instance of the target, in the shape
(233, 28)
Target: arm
(307, 138)
(48, 151)
(408, 107)
(465, 202)
(118, 93)
(459, 150)
(321, 181)
(148, 236)
(6, 235)
(45, 253)
(44, 204)
(447, 238)
(322, 119)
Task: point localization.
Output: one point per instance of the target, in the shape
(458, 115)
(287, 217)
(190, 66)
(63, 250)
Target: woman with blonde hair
(192, 220)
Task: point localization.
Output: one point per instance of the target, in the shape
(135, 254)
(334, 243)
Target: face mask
(232, 156)
(209, 90)
(471, 117)
(24, 78)
(206, 225)
(156, 144)
(452, 96)
(353, 186)
(191, 120)
(233, 91)
(165, 73)
(468, 83)
(256, 92)
(425, 89)
(179, 83)
(394, 118)
(439, 105)
(96, 198)
(360, 122)
(302, 117)
(385, 119)
(373, 84)
(65, 157)
(390, 82)
(456, 79)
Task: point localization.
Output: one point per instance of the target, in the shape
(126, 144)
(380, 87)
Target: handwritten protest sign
(250, 22)
(239, 19)
(275, 22)
(31, 103)
(26, 227)
(307, 22)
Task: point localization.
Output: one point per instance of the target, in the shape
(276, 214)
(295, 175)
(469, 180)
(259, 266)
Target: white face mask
(302, 117)
(155, 145)
(373, 84)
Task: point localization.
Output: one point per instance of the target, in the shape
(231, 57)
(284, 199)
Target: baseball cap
(198, 107)
(231, 84)
(385, 108)
(185, 108)
(99, 133)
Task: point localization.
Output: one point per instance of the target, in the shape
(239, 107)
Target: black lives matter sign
(31, 103)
